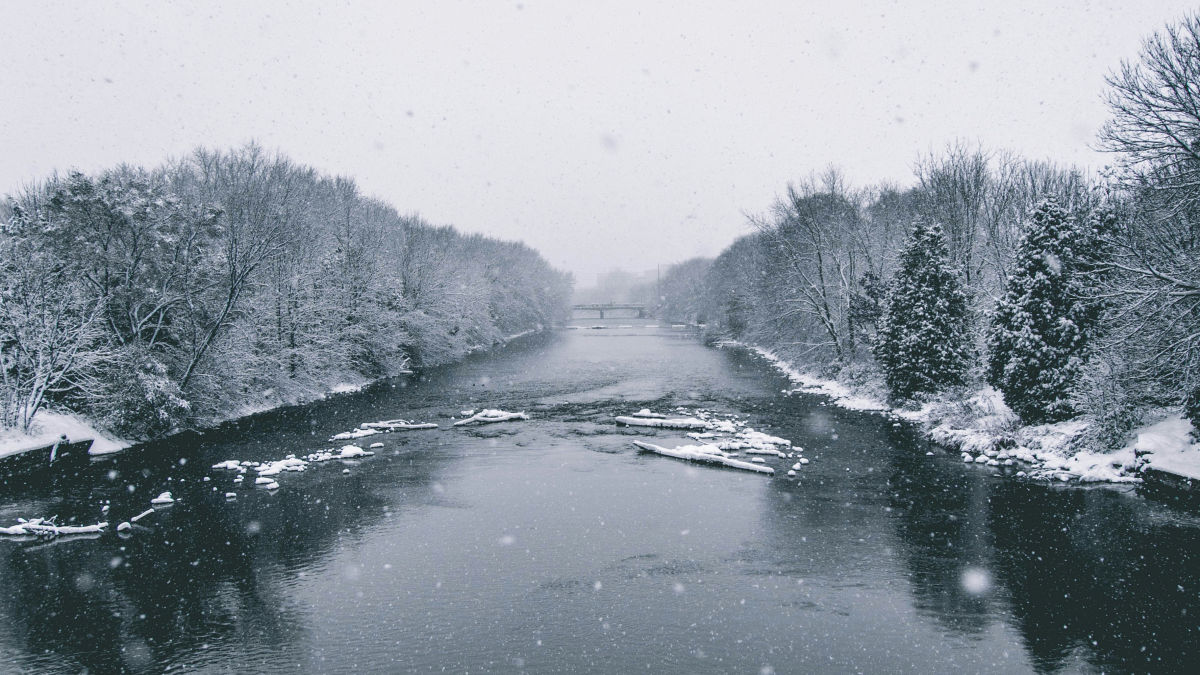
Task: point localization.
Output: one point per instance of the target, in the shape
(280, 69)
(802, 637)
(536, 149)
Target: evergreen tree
(1041, 327)
(923, 342)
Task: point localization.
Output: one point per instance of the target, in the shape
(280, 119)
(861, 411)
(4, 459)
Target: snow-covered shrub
(137, 398)
(923, 343)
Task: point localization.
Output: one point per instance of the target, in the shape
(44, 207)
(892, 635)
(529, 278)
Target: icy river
(552, 545)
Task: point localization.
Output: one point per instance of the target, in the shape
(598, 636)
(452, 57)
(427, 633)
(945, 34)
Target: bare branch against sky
(603, 134)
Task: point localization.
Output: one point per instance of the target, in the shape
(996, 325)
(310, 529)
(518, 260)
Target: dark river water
(552, 546)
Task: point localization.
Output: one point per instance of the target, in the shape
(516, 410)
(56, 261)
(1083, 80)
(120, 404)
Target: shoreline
(985, 431)
(50, 424)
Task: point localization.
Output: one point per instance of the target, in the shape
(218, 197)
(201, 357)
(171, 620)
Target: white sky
(605, 134)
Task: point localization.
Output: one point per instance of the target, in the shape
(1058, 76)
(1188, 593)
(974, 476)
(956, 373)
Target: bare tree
(50, 333)
(254, 192)
(1155, 104)
(1155, 131)
(812, 243)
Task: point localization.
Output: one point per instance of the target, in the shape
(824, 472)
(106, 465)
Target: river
(551, 545)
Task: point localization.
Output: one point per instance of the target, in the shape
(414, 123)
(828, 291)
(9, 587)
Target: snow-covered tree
(50, 332)
(1039, 334)
(923, 341)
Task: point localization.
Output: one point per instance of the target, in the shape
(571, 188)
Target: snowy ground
(49, 426)
(985, 431)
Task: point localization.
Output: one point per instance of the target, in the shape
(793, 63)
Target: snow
(398, 425)
(681, 423)
(290, 463)
(352, 435)
(350, 451)
(517, 336)
(489, 416)
(810, 384)
(164, 498)
(347, 387)
(267, 471)
(986, 432)
(707, 454)
(41, 527)
(49, 426)
(376, 445)
(1168, 446)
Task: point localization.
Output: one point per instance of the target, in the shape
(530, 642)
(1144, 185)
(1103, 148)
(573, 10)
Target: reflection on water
(550, 545)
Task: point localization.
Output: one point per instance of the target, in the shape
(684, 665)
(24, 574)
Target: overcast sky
(604, 134)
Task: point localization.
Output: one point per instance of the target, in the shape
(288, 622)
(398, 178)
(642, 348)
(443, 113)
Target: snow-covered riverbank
(50, 425)
(985, 431)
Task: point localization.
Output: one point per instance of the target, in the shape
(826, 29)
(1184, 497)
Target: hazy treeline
(1121, 326)
(152, 299)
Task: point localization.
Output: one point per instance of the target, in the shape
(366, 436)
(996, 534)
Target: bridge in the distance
(614, 310)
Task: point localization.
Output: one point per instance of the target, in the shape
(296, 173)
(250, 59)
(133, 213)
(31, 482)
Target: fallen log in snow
(41, 527)
(681, 423)
(398, 425)
(705, 454)
(490, 416)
